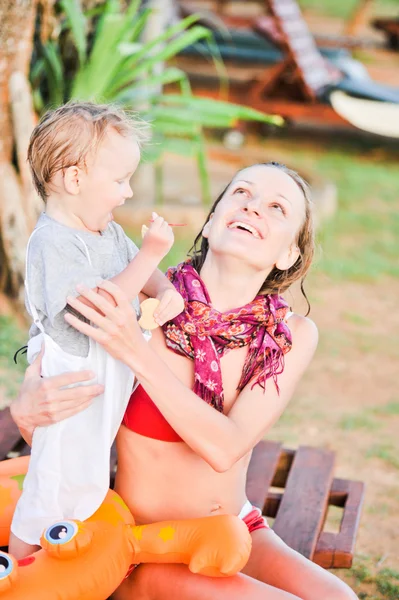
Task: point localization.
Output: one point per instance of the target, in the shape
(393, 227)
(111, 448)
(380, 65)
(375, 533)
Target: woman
(178, 456)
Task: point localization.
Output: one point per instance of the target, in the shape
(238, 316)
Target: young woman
(211, 384)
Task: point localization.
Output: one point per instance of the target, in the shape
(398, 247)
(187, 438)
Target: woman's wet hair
(278, 281)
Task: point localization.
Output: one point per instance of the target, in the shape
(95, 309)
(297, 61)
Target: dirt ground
(348, 400)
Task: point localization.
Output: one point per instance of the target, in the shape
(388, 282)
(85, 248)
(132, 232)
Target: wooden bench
(306, 488)
(293, 487)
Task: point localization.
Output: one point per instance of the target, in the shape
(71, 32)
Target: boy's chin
(99, 224)
(103, 224)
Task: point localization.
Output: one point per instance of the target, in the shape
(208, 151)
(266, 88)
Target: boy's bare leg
(20, 549)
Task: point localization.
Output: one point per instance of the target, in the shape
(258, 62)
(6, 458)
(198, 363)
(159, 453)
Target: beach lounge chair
(303, 83)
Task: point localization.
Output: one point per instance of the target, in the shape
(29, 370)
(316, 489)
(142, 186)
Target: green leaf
(170, 32)
(148, 89)
(210, 106)
(175, 128)
(94, 79)
(19, 479)
(179, 146)
(37, 71)
(54, 69)
(171, 49)
(77, 23)
(187, 116)
(129, 48)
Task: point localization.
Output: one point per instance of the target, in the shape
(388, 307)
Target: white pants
(68, 474)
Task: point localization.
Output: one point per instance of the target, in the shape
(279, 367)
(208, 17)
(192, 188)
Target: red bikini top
(143, 417)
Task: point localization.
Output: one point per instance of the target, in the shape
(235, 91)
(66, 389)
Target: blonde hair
(278, 281)
(66, 135)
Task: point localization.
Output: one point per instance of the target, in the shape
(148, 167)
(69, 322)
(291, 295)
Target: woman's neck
(230, 284)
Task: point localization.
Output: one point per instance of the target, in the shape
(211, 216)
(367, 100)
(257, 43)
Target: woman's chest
(231, 367)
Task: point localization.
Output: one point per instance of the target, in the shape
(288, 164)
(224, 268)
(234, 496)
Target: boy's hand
(171, 304)
(158, 237)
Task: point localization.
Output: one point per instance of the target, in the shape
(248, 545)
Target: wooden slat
(272, 504)
(299, 43)
(261, 470)
(113, 465)
(283, 467)
(9, 433)
(304, 503)
(335, 550)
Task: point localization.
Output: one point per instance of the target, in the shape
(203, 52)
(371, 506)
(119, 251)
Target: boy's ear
(205, 230)
(71, 180)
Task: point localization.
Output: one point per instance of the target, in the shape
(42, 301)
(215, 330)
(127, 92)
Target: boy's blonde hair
(65, 136)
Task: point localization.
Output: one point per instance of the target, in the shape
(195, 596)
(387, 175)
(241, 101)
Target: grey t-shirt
(58, 260)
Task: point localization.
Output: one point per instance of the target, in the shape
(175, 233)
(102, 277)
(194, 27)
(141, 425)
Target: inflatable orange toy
(88, 560)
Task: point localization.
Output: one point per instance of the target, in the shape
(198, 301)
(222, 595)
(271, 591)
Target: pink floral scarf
(205, 335)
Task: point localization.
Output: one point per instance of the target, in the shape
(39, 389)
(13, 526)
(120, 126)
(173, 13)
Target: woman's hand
(171, 304)
(115, 327)
(43, 401)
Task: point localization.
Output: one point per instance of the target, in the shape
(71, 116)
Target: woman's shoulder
(304, 331)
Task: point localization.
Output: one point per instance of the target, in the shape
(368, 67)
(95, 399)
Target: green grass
(358, 421)
(344, 8)
(372, 582)
(385, 452)
(387, 582)
(11, 338)
(361, 242)
(392, 408)
(356, 319)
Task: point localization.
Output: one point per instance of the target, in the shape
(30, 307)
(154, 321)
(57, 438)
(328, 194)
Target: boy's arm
(157, 284)
(142, 273)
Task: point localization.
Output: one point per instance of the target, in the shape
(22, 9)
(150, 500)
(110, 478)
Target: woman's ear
(205, 230)
(71, 180)
(289, 259)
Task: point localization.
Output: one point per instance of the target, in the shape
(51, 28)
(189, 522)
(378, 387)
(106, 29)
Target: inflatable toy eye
(6, 565)
(61, 533)
(66, 539)
(8, 571)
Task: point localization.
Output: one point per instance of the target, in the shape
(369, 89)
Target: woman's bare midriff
(166, 480)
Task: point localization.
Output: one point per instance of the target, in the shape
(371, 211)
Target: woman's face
(258, 219)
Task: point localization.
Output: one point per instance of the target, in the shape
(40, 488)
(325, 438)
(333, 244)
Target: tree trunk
(17, 18)
(144, 181)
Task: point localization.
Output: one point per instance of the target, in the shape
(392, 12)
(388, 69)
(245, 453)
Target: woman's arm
(219, 439)
(43, 401)
(223, 439)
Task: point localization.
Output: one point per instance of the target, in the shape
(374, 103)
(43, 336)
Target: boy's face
(105, 183)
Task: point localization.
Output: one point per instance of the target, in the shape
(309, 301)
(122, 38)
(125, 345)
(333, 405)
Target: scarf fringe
(269, 366)
(210, 397)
